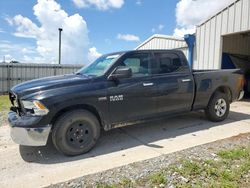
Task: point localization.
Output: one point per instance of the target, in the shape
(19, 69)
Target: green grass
(4, 109)
(234, 154)
(189, 168)
(4, 103)
(158, 178)
(229, 170)
(102, 185)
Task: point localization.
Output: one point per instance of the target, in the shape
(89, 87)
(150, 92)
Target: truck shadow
(132, 136)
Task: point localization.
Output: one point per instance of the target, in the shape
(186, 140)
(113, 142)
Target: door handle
(148, 84)
(186, 80)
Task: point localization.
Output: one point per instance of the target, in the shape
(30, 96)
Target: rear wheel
(218, 107)
(76, 132)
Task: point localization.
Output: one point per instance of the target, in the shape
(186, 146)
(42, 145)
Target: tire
(218, 107)
(75, 132)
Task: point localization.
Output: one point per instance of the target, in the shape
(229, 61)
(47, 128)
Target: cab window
(166, 63)
(139, 63)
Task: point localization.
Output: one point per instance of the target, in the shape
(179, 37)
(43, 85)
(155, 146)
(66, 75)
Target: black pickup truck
(116, 90)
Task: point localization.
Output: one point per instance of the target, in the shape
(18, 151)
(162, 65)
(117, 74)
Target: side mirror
(121, 72)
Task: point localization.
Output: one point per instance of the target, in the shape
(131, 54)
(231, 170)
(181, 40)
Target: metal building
(164, 42)
(227, 32)
(221, 42)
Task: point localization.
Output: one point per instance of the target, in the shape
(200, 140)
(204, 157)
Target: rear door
(133, 98)
(175, 85)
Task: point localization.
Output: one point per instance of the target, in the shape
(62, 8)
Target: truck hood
(54, 82)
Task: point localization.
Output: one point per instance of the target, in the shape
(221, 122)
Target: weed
(158, 178)
(234, 154)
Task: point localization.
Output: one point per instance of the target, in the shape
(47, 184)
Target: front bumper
(30, 136)
(27, 136)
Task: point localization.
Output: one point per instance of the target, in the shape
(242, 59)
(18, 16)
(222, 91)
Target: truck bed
(207, 81)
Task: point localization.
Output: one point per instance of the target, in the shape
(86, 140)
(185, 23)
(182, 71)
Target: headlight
(35, 108)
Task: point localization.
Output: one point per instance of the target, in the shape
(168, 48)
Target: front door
(133, 98)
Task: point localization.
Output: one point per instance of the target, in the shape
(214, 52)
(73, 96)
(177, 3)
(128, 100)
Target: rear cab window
(168, 62)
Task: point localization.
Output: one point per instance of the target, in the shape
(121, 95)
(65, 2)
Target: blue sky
(28, 28)
(133, 19)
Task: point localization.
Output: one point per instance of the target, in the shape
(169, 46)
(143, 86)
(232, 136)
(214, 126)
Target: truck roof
(149, 50)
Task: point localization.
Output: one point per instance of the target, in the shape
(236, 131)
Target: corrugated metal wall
(12, 74)
(164, 42)
(209, 35)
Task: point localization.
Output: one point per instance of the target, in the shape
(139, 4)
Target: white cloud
(9, 20)
(99, 4)
(128, 37)
(8, 58)
(28, 50)
(26, 28)
(80, 3)
(190, 13)
(180, 32)
(8, 47)
(138, 2)
(158, 29)
(93, 54)
(75, 39)
(21, 52)
(2, 31)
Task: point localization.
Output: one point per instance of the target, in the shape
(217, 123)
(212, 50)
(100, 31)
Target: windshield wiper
(85, 75)
(92, 75)
(78, 73)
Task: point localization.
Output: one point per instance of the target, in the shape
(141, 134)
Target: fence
(12, 74)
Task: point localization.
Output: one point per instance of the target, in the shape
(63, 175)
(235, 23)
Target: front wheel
(76, 132)
(218, 107)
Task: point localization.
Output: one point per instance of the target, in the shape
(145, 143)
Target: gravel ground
(3, 118)
(140, 170)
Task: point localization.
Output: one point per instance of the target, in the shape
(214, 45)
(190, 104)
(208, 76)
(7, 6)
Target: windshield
(99, 66)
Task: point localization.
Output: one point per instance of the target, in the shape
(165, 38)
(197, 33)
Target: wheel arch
(223, 89)
(87, 107)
